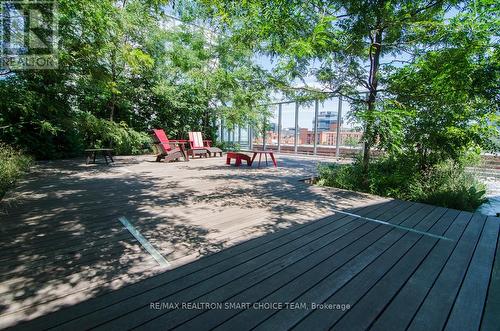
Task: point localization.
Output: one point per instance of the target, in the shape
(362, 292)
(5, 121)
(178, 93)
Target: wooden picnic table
(91, 153)
(265, 152)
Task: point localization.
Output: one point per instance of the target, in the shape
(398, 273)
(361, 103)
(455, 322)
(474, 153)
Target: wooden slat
(242, 267)
(416, 287)
(434, 310)
(141, 305)
(327, 259)
(290, 267)
(329, 285)
(468, 308)
(189, 274)
(353, 290)
(306, 289)
(491, 318)
(364, 312)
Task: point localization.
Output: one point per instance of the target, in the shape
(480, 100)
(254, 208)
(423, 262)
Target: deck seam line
(327, 217)
(305, 225)
(374, 321)
(303, 273)
(241, 276)
(169, 311)
(384, 212)
(144, 242)
(401, 227)
(241, 263)
(370, 263)
(419, 240)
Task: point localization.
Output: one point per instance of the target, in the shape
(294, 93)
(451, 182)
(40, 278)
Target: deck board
(491, 318)
(294, 287)
(363, 271)
(413, 292)
(325, 260)
(235, 235)
(296, 263)
(373, 302)
(434, 310)
(469, 304)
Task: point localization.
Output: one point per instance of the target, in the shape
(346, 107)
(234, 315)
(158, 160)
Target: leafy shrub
(341, 176)
(447, 184)
(101, 133)
(450, 185)
(13, 164)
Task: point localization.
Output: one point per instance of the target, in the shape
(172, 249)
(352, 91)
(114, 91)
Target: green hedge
(13, 164)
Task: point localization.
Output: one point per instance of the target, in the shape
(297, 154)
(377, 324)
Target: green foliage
(430, 67)
(228, 146)
(446, 96)
(341, 176)
(450, 185)
(128, 63)
(446, 184)
(101, 133)
(339, 43)
(13, 164)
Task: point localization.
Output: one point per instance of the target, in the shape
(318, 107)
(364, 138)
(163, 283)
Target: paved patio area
(261, 239)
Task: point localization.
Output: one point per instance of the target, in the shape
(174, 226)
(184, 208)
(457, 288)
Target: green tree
(340, 43)
(449, 95)
(125, 67)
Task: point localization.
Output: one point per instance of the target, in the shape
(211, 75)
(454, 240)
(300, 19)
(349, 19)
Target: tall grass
(446, 184)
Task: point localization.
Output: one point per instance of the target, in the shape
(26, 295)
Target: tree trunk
(370, 134)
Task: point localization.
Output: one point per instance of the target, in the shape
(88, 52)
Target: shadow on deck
(275, 239)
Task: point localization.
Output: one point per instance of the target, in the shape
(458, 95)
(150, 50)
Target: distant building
(306, 137)
(326, 119)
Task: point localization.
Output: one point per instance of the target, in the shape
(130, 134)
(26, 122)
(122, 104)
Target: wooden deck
(246, 248)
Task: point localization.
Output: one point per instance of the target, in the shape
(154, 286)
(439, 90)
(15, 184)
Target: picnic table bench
(238, 157)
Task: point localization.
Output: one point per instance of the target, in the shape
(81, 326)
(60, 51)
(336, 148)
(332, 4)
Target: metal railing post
(339, 120)
(280, 114)
(315, 129)
(295, 142)
(222, 130)
(250, 137)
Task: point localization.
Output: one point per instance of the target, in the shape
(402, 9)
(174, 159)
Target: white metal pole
(295, 141)
(339, 121)
(315, 129)
(280, 114)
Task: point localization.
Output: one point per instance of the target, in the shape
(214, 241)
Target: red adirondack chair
(197, 143)
(164, 148)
